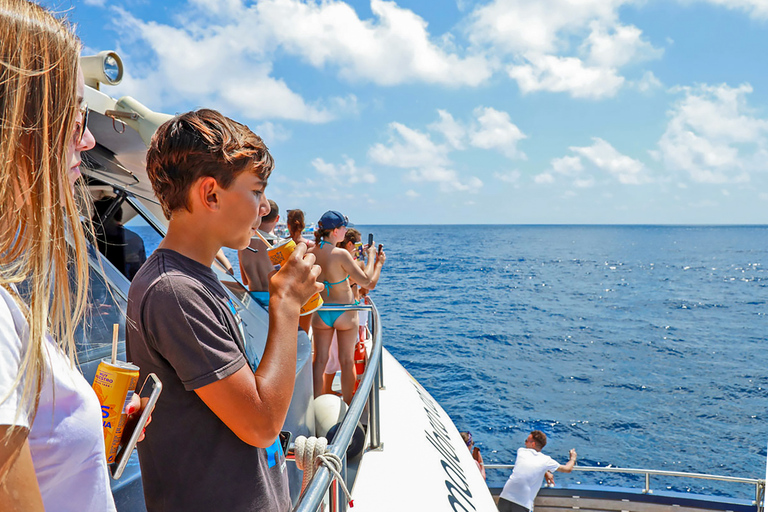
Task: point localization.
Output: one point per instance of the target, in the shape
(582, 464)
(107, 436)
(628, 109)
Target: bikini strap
(328, 284)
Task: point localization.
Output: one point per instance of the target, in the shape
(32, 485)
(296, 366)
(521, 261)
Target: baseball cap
(332, 220)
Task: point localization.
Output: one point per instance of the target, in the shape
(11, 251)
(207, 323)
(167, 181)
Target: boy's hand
(297, 278)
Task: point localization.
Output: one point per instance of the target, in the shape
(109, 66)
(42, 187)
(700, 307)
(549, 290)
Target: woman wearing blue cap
(338, 268)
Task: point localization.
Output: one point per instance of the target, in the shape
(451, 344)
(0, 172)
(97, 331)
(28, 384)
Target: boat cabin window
(105, 307)
(122, 236)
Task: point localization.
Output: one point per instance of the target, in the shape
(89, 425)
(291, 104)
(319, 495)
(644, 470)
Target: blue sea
(639, 346)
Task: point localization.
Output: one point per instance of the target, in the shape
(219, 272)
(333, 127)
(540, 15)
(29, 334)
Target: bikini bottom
(329, 317)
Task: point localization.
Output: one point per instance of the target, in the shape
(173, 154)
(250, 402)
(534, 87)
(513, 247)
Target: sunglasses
(81, 126)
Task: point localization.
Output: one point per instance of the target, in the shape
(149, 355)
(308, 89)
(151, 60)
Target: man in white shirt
(531, 466)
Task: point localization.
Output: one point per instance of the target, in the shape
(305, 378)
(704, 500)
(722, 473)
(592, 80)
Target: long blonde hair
(41, 240)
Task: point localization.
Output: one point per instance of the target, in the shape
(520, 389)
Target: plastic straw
(115, 330)
(266, 242)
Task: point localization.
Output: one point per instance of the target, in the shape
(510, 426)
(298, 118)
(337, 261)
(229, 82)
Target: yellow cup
(278, 255)
(312, 305)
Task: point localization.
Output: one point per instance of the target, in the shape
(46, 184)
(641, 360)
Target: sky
(462, 112)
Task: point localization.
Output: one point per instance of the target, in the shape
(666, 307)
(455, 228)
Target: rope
(313, 452)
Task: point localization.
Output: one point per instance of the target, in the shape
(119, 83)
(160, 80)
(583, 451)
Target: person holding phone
(52, 454)
(338, 267)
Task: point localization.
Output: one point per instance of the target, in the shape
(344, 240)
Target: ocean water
(638, 346)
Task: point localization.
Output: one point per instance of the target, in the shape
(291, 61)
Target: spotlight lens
(111, 69)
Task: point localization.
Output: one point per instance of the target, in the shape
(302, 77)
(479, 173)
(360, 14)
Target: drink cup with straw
(278, 255)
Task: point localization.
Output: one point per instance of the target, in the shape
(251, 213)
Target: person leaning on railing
(531, 468)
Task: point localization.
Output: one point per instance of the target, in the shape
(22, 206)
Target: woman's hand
(371, 251)
(134, 409)
(381, 257)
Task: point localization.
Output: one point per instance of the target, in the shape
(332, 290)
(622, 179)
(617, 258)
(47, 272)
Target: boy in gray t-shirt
(212, 443)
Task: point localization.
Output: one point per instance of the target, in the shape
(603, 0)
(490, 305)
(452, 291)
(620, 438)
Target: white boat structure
(413, 457)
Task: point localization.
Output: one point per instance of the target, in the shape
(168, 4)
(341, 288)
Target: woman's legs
(322, 336)
(347, 332)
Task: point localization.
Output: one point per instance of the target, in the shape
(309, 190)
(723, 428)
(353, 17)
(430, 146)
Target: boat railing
(648, 473)
(368, 392)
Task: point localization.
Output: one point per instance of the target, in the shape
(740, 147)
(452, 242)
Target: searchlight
(103, 68)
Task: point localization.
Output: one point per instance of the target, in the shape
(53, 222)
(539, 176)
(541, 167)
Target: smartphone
(381, 246)
(285, 440)
(370, 239)
(125, 454)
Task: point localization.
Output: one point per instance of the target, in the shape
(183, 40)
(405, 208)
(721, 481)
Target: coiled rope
(313, 452)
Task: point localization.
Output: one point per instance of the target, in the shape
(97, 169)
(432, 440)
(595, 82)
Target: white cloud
(209, 40)
(713, 136)
(617, 46)
(519, 26)
(452, 130)
(189, 64)
(345, 173)
(566, 74)
(447, 179)
(508, 177)
(600, 156)
(606, 158)
(494, 130)
(409, 148)
(567, 165)
(392, 48)
(586, 182)
(648, 82)
(427, 161)
(412, 194)
(757, 9)
(561, 45)
(272, 132)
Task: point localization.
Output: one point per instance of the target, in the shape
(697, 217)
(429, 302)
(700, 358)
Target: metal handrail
(312, 497)
(346, 307)
(757, 482)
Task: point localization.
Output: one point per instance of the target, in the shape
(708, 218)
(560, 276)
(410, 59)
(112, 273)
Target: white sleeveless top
(66, 439)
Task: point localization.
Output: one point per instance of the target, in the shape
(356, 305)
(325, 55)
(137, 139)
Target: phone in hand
(381, 248)
(285, 440)
(370, 239)
(125, 453)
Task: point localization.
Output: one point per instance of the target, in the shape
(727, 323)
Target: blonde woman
(51, 439)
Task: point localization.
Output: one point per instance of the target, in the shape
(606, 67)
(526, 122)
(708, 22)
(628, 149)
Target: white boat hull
(424, 464)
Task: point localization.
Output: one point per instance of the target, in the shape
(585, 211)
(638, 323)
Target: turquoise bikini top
(328, 285)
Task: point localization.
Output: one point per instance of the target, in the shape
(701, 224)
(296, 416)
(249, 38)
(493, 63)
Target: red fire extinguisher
(359, 362)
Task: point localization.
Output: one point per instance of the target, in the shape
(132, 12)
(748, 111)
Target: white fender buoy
(329, 410)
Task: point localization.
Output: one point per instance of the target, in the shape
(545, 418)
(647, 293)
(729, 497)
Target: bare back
(337, 265)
